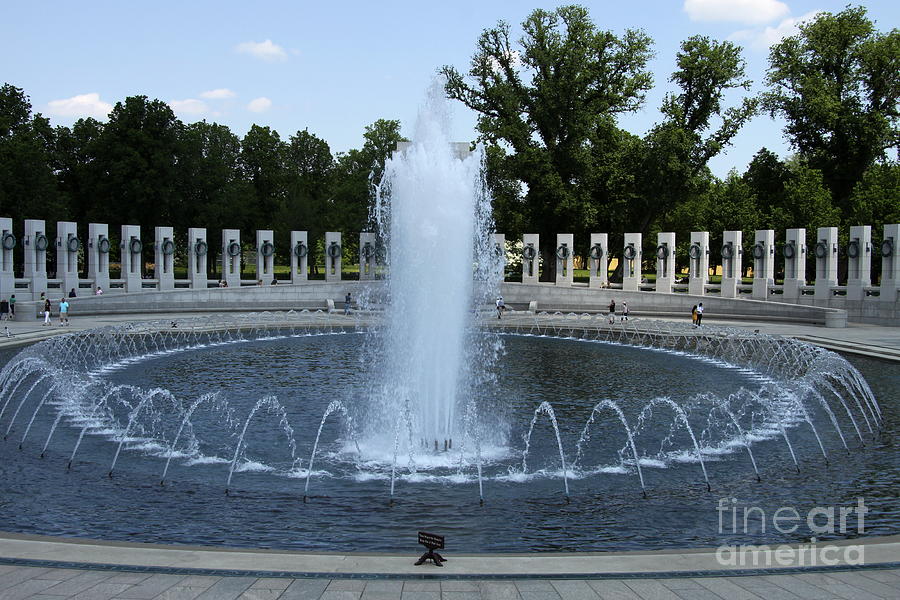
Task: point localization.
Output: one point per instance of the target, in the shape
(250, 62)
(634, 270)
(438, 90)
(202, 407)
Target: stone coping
(34, 550)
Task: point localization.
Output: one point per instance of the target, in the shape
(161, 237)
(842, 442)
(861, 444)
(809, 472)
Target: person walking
(624, 311)
(63, 312)
(699, 314)
(347, 301)
(46, 311)
(12, 307)
(4, 309)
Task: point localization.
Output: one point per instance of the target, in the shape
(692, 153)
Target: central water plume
(433, 219)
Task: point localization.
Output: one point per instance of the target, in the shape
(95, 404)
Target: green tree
(309, 165)
(697, 126)
(27, 183)
(837, 83)
(547, 101)
(263, 163)
(136, 165)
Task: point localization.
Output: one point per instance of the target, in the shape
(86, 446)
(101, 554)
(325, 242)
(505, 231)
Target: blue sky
(334, 67)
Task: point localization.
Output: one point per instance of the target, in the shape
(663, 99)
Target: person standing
(63, 312)
(347, 301)
(12, 307)
(612, 309)
(501, 306)
(4, 309)
(46, 311)
(694, 315)
(624, 311)
(699, 314)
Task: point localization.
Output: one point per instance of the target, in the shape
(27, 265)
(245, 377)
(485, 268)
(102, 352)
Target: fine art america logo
(735, 519)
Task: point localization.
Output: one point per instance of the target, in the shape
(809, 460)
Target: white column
(698, 269)
(732, 262)
(333, 256)
(763, 263)
(98, 255)
(826, 253)
(665, 261)
(632, 256)
(367, 257)
(598, 258)
(794, 253)
(531, 257)
(8, 242)
(565, 244)
(131, 257)
(890, 263)
(198, 255)
(67, 246)
(299, 256)
(231, 257)
(164, 255)
(859, 261)
(36, 243)
(265, 255)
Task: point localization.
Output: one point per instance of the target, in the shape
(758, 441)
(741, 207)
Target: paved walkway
(46, 568)
(49, 583)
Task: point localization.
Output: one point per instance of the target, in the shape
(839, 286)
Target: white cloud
(266, 50)
(259, 105)
(748, 12)
(84, 105)
(218, 94)
(762, 39)
(189, 106)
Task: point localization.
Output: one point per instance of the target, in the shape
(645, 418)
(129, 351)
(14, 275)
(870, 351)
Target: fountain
(522, 434)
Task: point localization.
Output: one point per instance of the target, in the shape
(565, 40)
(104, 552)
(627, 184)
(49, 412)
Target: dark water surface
(348, 507)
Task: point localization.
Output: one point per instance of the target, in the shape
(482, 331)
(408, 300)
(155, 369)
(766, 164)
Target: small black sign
(432, 541)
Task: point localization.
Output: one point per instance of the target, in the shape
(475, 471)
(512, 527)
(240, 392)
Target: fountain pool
(142, 389)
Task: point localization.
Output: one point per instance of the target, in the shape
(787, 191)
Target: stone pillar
(698, 265)
(890, 263)
(565, 244)
(732, 263)
(98, 255)
(665, 262)
(500, 248)
(333, 256)
(367, 259)
(794, 253)
(631, 262)
(598, 258)
(8, 243)
(859, 261)
(265, 256)
(531, 257)
(231, 257)
(763, 263)
(826, 252)
(67, 247)
(198, 255)
(164, 255)
(36, 244)
(131, 257)
(299, 256)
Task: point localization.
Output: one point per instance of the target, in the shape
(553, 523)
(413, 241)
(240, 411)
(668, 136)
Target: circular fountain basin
(171, 473)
